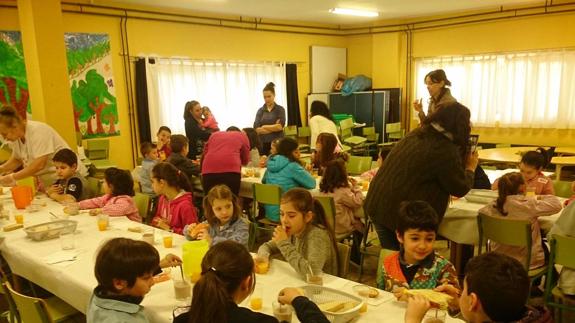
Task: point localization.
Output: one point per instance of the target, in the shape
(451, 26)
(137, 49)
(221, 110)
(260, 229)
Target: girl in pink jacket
(512, 204)
(117, 200)
(175, 207)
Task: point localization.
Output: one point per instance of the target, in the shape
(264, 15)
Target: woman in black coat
(430, 164)
(195, 132)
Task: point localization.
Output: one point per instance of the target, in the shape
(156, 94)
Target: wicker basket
(321, 295)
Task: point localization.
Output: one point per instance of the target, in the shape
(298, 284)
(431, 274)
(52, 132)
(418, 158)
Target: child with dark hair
(285, 169)
(531, 168)
(513, 204)
(224, 219)
(150, 153)
(495, 289)
(255, 146)
(163, 145)
(368, 175)
(70, 186)
(326, 150)
(180, 148)
(416, 265)
(304, 238)
(227, 279)
(124, 270)
(118, 189)
(175, 207)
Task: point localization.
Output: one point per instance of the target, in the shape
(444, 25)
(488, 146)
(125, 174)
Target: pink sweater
(210, 123)
(348, 201)
(226, 152)
(525, 208)
(114, 206)
(178, 213)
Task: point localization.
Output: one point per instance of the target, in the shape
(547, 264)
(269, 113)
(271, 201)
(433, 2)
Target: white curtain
(232, 90)
(528, 90)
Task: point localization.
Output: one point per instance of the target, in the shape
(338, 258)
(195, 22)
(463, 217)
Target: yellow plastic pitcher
(192, 254)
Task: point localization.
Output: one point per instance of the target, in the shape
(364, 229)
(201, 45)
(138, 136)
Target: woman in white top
(320, 122)
(33, 144)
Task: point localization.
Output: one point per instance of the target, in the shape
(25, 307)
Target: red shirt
(226, 152)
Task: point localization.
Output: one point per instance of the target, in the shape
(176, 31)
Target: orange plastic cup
(19, 218)
(22, 196)
(168, 241)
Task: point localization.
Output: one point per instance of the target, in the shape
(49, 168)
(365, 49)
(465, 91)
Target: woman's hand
(417, 306)
(279, 234)
(288, 294)
(170, 260)
(417, 105)
(472, 161)
(7, 180)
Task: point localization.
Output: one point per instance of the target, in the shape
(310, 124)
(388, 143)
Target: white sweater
(320, 124)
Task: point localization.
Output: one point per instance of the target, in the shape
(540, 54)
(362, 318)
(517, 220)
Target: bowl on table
(481, 196)
(50, 230)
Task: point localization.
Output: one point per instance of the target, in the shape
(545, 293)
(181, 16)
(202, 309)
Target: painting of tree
(92, 85)
(13, 83)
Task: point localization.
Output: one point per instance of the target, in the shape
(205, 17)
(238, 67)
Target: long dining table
(69, 274)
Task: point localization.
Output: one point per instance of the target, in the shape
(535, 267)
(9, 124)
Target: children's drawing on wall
(92, 85)
(13, 83)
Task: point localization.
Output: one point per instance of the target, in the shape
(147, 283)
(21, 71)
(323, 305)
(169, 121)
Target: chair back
(356, 165)
(290, 131)
(394, 131)
(328, 205)
(12, 309)
(95, 186)
(502, 230)
(31, 309)
(143, 204)
(562, 252)
(303, 132)
(562, 188)
(266, 194)
(98, 149)
(343, 258)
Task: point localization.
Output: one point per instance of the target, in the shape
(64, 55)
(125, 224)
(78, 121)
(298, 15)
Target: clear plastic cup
(530, 191)
(314, 278)
(262, 263)
(67, 241)
(435, 315)
(256, 299)
(19, 218)
(282, 312)
(103, 222)
(182, 287)
(149, 236)
(168, 239)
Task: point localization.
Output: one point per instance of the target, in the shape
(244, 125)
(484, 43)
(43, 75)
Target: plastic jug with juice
(192, 254)
(22, 196)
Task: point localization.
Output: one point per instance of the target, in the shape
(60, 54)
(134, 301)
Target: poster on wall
(92, 85)
(13, 83)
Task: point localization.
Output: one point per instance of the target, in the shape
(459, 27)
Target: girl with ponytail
(304, 238)
(228, 279)
(175, 207)
(513, 204)
(531, 167)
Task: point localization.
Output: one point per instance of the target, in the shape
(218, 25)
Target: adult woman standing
(437, 83)
(270, 119)
(430, 164)
(321, 121)
(33, 144)
(195, 132)
(224, 155)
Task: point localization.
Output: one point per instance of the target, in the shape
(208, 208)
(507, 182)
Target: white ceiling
(317, 10)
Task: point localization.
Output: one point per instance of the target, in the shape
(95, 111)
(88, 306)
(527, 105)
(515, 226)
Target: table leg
(460, 254)
(558, 172)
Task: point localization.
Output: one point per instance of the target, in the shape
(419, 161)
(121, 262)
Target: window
(528, 90)
(232, 90)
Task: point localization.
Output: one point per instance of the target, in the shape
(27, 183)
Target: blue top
(265, 117)
(287, 174)
(146, 176)
(114, 310)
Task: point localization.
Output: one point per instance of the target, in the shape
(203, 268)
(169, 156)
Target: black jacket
(197, 136)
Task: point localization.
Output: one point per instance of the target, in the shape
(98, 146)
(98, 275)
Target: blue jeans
(387, 237)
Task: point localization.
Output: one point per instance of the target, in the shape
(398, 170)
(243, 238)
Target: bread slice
(438, 298)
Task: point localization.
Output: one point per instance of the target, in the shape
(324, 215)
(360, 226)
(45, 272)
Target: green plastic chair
(394, 133)
(98, 149)
(562, 188)
(11, 315)
(39, 310)
(304, 133)
(511, 232)
(328, 205)
(357, 165)
(562, 253)
(95, 186)
(343, 259)
(264, 194)
(143, 204)
(290, 131)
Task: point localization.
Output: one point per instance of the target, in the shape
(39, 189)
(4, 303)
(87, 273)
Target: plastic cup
(530, 191)
(262, 264)
(19, 218)
(282, 312)
(149, 236)
(435, 315)
(103, 222)
(256, 300)
(182, 288)
(168, 239)
(72, 208)
(314, 278)
(364, 185)
(67, 241)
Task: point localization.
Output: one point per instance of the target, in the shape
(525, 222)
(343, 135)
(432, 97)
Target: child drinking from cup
(531, 167)
(175, 207)
(125, 270)
(224, 219)
(117, 200)
(303, 238)
(228, 279)
(70, 186)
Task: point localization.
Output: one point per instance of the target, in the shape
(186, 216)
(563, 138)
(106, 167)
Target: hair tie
(212, 269)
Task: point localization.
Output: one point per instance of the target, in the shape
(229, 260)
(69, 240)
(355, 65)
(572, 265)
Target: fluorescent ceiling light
(354, 12)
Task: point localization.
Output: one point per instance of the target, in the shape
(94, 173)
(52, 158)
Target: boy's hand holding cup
(288, 294)
(417, 306)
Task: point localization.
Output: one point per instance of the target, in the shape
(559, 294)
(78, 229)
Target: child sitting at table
(224, 219)
(227, 279)
(124, 270)
(117, 200)
(513, 204)
(70, 186)
(326, 149)
(347, 196)
(255, 145)
(178, 158)
(175, 207)
(163, 144)
(210, 122)
(303, 238)
(150, 153)
(284, 169)
(531, 167)
(368, 175)
(495, 289)
(416, 265)
(565, 226)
